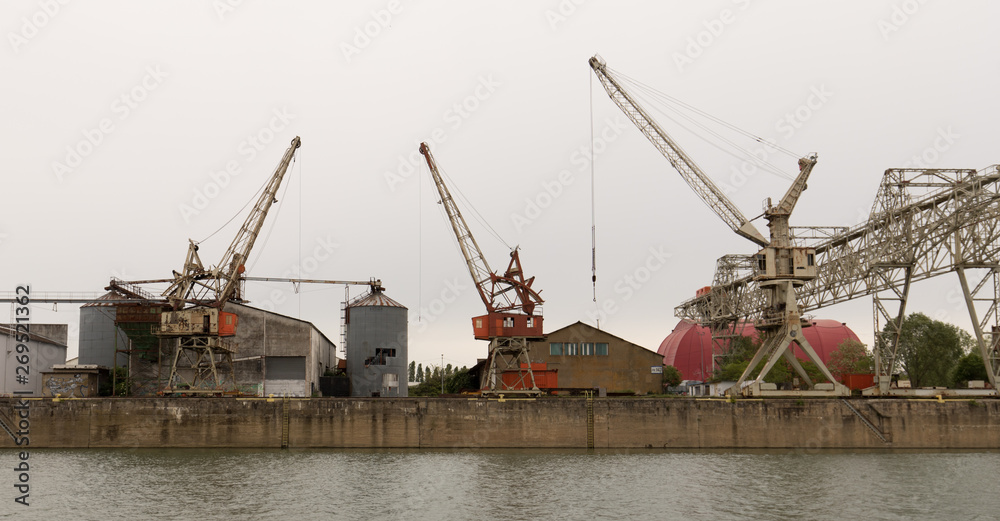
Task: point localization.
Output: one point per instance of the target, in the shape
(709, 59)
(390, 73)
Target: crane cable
(746, 153)
(696, 110)
(667, 101)
(274, 220)
(475, 213)
(420, 245)
(593, 206)
(238, 212)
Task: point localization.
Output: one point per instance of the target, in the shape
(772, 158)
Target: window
(571, 349)
(531, 322)
(810, 259)
(381, 353)
(587, 349)
(556, 348)
(601, 349)
(508, 322)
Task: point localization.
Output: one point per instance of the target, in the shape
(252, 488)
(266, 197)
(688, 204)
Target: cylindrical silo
(376, 345)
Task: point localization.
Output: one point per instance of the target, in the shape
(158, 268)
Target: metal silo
(376, 345)
(99, 337)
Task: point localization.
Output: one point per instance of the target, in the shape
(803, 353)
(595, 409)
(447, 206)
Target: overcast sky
(129, 127)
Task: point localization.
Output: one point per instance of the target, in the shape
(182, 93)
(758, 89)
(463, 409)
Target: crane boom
(511, 318)
(225, 276)
(685, 166)
(235, 257)
(478, 267)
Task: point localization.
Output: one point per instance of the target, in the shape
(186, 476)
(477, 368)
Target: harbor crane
(198, 295)
(778, 267)
(513, 313)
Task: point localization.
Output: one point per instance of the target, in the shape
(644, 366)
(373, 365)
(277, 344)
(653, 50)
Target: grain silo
(376, 345)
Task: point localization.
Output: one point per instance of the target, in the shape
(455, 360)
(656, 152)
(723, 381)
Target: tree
(850, 357)
(743, 349)
(969, 367)
(420, 373)
(929, 349)
(413, 372)
(460, 380)
(671, 376)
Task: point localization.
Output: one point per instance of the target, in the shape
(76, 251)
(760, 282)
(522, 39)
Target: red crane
(513, 316)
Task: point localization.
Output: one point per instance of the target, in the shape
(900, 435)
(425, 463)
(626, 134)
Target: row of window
(581, 349)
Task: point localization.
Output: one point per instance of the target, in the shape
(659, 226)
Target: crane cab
(507, 325)
(198, 321)
(785, 263)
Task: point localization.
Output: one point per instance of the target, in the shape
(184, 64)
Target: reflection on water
(502, 484)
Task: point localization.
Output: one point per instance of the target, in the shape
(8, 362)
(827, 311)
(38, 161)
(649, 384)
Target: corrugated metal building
(376, 345)
(99, 338)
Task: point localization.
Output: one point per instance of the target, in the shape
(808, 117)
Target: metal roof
(689, 346)
(374, 299)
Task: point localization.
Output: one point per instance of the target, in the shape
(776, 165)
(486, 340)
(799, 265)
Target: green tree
(413, 372)
(428, 376)
(460, 380)
(969, 367)
(671, 376)
(929, 349)
(735, 361)
(426, 389)
(420, 373)
(850, 357)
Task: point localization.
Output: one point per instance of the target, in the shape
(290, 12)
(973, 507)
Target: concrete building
(75, 381)
(46, 347)
(377, 346)
(279, 355)
(585, 357)
(274, 354)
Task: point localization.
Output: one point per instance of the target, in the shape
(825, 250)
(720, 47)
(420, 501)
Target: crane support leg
(887, 343)
(987, 343)
(509, 355)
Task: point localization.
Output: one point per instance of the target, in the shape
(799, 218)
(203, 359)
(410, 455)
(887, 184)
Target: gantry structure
(924, 223)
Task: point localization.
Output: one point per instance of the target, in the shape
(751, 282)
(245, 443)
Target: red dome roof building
(689, 346)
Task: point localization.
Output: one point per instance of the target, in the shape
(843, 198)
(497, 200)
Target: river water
(501, 484)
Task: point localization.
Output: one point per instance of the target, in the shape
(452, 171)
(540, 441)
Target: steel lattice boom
(702, 185)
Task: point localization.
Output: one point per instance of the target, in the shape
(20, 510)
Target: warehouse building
(584, 357)
(273, 354)
(44, 347)
(279, 355)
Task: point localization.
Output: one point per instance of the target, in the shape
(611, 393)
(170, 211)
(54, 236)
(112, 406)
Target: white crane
(779, 267)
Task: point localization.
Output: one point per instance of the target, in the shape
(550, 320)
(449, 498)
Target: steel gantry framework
(923, 223)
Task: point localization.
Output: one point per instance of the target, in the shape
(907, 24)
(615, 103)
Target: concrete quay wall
(556, 422)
